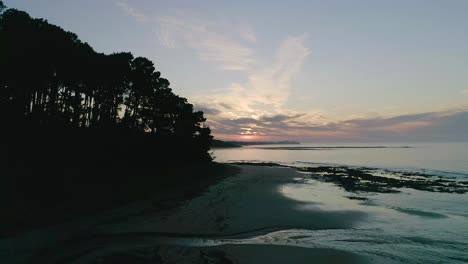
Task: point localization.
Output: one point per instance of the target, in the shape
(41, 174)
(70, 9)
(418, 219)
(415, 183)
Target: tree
(2, 6)
(51, 79)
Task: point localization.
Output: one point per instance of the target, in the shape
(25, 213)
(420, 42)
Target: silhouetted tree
(51, 79)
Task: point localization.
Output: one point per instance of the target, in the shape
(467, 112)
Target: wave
(372, 242)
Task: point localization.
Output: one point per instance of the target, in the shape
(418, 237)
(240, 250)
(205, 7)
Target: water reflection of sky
(450, 157)
(417, 221)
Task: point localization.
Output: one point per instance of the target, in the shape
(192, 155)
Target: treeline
(50, 80)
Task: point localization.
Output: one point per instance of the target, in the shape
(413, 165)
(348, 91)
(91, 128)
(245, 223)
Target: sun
(247, 137)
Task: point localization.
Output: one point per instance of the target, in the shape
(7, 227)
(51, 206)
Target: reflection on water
(417, 226)
(280, 207)
(450, 157)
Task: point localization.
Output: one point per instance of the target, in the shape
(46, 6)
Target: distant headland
(237, 144)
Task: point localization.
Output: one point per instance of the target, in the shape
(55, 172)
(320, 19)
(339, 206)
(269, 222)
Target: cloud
(256, 107)
(262, 121)
(430, 126)
(209, 39)
(139, 16)
(267, 89)
(443, 126)
(379, 122)
(250, 107)
(247, 33)
(280, 117)
(207, 110)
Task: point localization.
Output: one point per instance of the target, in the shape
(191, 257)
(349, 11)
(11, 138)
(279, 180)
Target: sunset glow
(306, 77)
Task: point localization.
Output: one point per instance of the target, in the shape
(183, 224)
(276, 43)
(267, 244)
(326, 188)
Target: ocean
(311, 213)
(438, 157)
(408, 226)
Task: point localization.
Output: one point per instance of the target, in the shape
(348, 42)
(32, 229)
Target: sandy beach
(233, 132)
(247, 205)
(262, 214)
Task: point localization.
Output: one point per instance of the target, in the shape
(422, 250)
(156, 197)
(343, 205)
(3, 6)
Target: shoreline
(242, 206)
(167, 189)
(261, 213)
(372, 179)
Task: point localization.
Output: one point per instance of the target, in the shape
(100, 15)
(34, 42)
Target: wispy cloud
(247, 33)
(433, 126)
(267, 89)
(212, 42)
(131, 11)
(207, 110)
(257, 106)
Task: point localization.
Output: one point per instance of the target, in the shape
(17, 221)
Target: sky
(311, 71)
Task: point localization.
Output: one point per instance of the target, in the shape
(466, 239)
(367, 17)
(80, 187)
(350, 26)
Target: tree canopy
(50, 78)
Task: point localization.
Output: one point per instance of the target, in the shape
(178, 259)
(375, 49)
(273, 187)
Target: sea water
(410, 226)
(438, 157)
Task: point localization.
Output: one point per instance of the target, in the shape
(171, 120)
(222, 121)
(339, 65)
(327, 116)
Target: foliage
(50, 78)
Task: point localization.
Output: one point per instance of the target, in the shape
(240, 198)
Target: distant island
(216, 143)
(237, 144)
(249, 143)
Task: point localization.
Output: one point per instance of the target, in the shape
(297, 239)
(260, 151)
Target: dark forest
(82, 131)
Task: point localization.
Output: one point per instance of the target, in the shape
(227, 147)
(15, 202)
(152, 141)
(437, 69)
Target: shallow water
(407, 227)
(278, 208)
(410, 226)
(438, 157)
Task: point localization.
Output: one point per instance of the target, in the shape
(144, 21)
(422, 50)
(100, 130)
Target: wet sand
(247, 205)
(262, 214)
